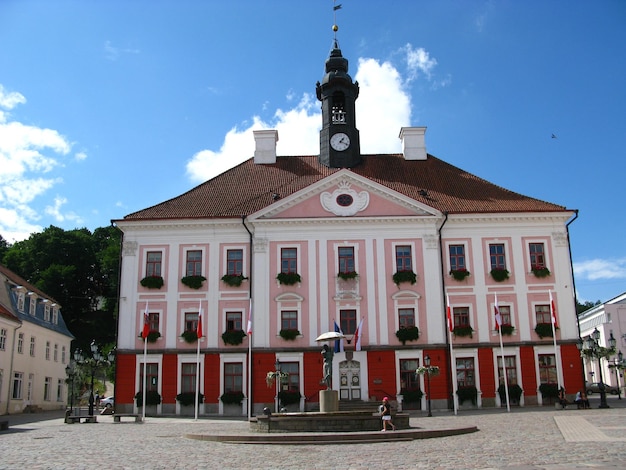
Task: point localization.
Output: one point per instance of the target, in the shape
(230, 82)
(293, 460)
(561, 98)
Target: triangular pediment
(345, 194)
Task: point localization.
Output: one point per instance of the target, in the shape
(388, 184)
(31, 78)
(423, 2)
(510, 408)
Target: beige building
(34, 348)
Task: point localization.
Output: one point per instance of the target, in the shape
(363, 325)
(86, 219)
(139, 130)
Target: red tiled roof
(248, 188)
(20, 281)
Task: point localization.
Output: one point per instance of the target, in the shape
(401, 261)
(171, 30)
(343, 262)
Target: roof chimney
(413, 145)
(265, 150)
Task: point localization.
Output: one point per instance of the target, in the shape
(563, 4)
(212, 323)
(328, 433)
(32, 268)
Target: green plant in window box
(194, 282)
(544, 330)
(463, 331)
(288, 279)
(507, 330)
(413, 395)
(152, 282)
(288, 335)
(499, 274)
(540, 271)
(233, 280)
(189, 398)
(549, 390)
(152, 336)
(410, 333)
(459, 274)
(404, 276)
(347, 275)
(152, 398)
(189, 336)
(467, 393)
(515, 393)
(233, 337)
(289, 397)
(232, 398)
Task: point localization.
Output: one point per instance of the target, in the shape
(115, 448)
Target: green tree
(79, 270)
(580, 308)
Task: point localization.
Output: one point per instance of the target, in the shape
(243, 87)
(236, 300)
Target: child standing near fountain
(386, 413)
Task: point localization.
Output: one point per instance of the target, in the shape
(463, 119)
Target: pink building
(369, 242)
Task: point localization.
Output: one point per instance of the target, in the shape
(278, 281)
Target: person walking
(386, 414)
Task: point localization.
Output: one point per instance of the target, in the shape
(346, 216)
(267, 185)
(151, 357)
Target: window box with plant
(152, 398)
(549, 390)
(289, 335)
(515, 393)
(404, 276)
(346, 276)
(233, 337)
(507, 330)
(152, 336)
(499, 274)
(152, 282)
(467, 393)
(409, 333)
(544, 330)
(232, 398)
(540, 271)
(189, 336)
(233, 280)
(189, 398)
(194, 282)
(459, 274)
(288, 279)
(463, 331)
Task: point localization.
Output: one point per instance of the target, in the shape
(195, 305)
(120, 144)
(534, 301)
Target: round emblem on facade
(344, 200)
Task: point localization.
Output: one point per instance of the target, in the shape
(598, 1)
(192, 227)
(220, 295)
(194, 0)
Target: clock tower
(339, 137)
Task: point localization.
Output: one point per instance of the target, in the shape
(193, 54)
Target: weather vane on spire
(335, 8)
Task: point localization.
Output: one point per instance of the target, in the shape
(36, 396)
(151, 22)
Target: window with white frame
(505, 314)
(233, 377)
(32, 346)
(63, 354)
(18, 383)
(542, 314)
(56, 353)
(33, 306)
(55, 315)
(346, 259)
(20, 343)
(153, 263)
(3, 338)
(233, 321)
(234, 262)
(403, 258)
(20, 301)
(406, 317)
(47, 350)
(409, 379)
(347, 321)
(511, 370)
(194, 263)
(289, 260)
(59, 390)
(465, 372)
(292, 382)
(497, 256)
(457, 257)
(188, 377)
(46, 311)
(47, 385)
(191, 321)
(152, 378)
(289, 320)
(461, 317)
(547, 369)
(537, 255)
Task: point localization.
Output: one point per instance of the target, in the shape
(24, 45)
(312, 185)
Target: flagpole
(145, 375)
(455, 399)
(199, 334)
(506, 380)
(557, 356)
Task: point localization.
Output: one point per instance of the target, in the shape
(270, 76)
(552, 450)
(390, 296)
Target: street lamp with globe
(93, 363)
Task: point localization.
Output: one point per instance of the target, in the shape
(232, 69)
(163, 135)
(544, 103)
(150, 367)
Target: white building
(34, 348)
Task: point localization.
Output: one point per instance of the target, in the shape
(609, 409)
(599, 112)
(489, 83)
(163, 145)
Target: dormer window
(46, 311)
(20, 301)
(33, 304)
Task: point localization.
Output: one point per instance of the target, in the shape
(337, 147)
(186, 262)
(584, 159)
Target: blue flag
(339, 342)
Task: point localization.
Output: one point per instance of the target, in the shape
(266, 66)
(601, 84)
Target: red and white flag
(249, 328)
(357, 336)
(146, 324)
(449, 314)
(498, 316)
(199, 332)
(552, 309)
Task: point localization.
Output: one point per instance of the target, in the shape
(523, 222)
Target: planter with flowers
(152, 282)
(467, 393)
(233, 337)
(539, 271)
(289, 397)
(404, 276)
(233, 280)
(152, 336)
(232, 398)
(346, 276)
(410, 333)
(544, 330)
(507, 330)
(288, 279)
(459, 274)
(189, 398)
(499, 274)
(463, 331)
(194, 282)
(288, 335)
(189, 336)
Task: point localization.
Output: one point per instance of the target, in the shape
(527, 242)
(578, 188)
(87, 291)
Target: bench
(4, 425)
(118, 418)
(79, 419)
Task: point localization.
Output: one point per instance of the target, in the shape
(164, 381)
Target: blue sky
(107, 107)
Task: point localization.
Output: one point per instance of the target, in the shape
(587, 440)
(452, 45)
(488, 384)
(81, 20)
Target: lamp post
(595, 350)
(70, 370)
(618, 365)
(427, 364)
(93, 363)
(278, 377)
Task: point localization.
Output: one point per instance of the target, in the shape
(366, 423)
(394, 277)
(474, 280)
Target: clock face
(340, 141)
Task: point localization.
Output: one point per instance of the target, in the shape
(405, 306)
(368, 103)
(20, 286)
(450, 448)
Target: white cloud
(113, 53)
(418, 61)
(59, 216)
(28, 155)
(598, 269)
(80, 156)
(381, 94)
